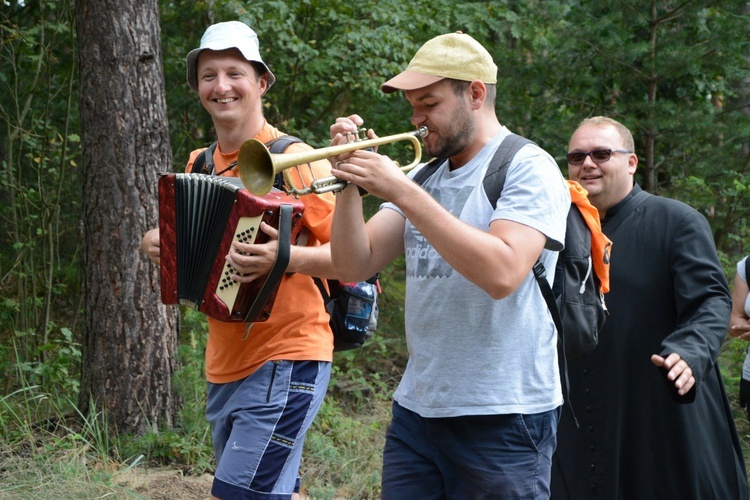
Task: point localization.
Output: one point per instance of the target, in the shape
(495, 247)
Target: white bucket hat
(222, 36)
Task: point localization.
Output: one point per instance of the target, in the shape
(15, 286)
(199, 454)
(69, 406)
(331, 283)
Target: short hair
(459, 86)
(622, 130)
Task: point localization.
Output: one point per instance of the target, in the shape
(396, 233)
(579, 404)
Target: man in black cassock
(655, 420)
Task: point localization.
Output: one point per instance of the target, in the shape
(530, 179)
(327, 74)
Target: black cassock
(635, 440)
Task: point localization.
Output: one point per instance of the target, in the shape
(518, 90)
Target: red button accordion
(200, 216)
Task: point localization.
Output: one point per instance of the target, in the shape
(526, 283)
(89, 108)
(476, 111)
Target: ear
(477, 94)
(263, 83)
(632, 163)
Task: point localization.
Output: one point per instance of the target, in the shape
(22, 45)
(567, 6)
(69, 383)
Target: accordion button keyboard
(246, 232)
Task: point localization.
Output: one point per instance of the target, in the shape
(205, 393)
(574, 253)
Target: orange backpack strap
(601, 246)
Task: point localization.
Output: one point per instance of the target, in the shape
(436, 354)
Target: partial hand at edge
(150, 245)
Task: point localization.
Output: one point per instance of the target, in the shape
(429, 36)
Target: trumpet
(258, 167)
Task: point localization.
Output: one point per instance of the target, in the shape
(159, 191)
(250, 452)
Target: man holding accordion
(266, 380)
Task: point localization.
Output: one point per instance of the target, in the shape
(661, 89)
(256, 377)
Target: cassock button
(591, 428)
(592, 467)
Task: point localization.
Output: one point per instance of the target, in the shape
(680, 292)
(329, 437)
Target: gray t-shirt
(470, 354)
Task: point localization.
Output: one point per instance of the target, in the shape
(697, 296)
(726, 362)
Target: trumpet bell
(256, 167)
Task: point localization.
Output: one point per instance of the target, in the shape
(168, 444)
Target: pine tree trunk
(130, 338)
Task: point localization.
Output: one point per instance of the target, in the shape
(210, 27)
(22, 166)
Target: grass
(48, 454)
(48, 450)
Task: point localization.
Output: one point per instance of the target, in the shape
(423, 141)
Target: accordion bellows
(200, 216)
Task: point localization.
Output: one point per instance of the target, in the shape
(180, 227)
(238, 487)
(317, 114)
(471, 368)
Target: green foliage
(672, 73)
(676, 74)
(46, 452)
(179, 448)
(343, 451)
(39, 194)
(188, 445)
(182, 23)
(53, 365)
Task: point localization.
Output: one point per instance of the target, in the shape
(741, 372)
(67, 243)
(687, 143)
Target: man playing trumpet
(476, 411)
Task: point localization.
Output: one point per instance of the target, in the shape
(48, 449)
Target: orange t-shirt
(298, 326)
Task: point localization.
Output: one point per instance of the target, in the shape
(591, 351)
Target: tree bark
(130, 339)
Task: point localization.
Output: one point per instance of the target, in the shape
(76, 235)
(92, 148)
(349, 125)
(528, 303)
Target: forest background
(100, 379)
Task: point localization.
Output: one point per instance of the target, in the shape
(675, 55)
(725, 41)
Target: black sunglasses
(598, 155)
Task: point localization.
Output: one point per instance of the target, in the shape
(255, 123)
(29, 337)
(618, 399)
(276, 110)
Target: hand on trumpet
(251, 261)
(346, 129)
(369, 170)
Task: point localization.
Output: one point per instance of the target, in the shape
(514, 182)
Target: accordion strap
(282, 261)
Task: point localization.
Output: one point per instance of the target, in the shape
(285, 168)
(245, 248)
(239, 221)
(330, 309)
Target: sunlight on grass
(49, 450)
(43, 457)
(343, 452)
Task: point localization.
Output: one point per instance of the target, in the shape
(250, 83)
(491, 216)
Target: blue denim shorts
(477, 456)
(258, 428)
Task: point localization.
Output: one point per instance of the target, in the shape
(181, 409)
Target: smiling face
(229, 86)
(607, 182)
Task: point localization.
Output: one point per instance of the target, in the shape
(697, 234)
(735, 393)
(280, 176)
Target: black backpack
(577, 300)
(352, 307)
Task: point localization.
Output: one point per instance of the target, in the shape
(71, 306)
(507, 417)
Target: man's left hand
(677, 371)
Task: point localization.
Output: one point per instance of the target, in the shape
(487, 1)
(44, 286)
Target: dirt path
(162, 483)
(166, 484)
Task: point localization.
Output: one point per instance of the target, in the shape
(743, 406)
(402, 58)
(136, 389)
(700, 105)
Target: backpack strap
(204, 162)
(494, 179)
(429, 168)
(323, 292)
(278, 146)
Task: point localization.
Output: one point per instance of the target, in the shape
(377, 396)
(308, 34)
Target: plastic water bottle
(359, 308)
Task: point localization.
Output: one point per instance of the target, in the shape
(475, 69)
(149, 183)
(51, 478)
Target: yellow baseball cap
(455, 55)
